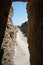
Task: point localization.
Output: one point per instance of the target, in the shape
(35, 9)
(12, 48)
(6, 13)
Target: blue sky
(20, 13)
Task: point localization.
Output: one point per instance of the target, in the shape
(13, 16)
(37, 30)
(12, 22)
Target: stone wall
(35, 31)
(23, 28)
(4, 11)
(9, 41)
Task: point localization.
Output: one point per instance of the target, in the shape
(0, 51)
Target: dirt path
(22, 55)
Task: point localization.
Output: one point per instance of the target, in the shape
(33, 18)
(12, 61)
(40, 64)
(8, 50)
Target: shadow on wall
(3, 22)
(23, 28)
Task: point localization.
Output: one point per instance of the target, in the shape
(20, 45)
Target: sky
(20, 13)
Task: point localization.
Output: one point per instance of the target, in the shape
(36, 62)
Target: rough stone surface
(9, 40)
(4, 11)
(23, 28)
(35, 31)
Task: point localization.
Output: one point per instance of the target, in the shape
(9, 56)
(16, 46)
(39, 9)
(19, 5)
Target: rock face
(9, 40)
(23, 28)
(35, 31)
(4, 11)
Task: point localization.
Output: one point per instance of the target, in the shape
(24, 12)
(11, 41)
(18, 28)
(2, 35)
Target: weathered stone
(23, 28)
(35, 31)
(8, 43)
